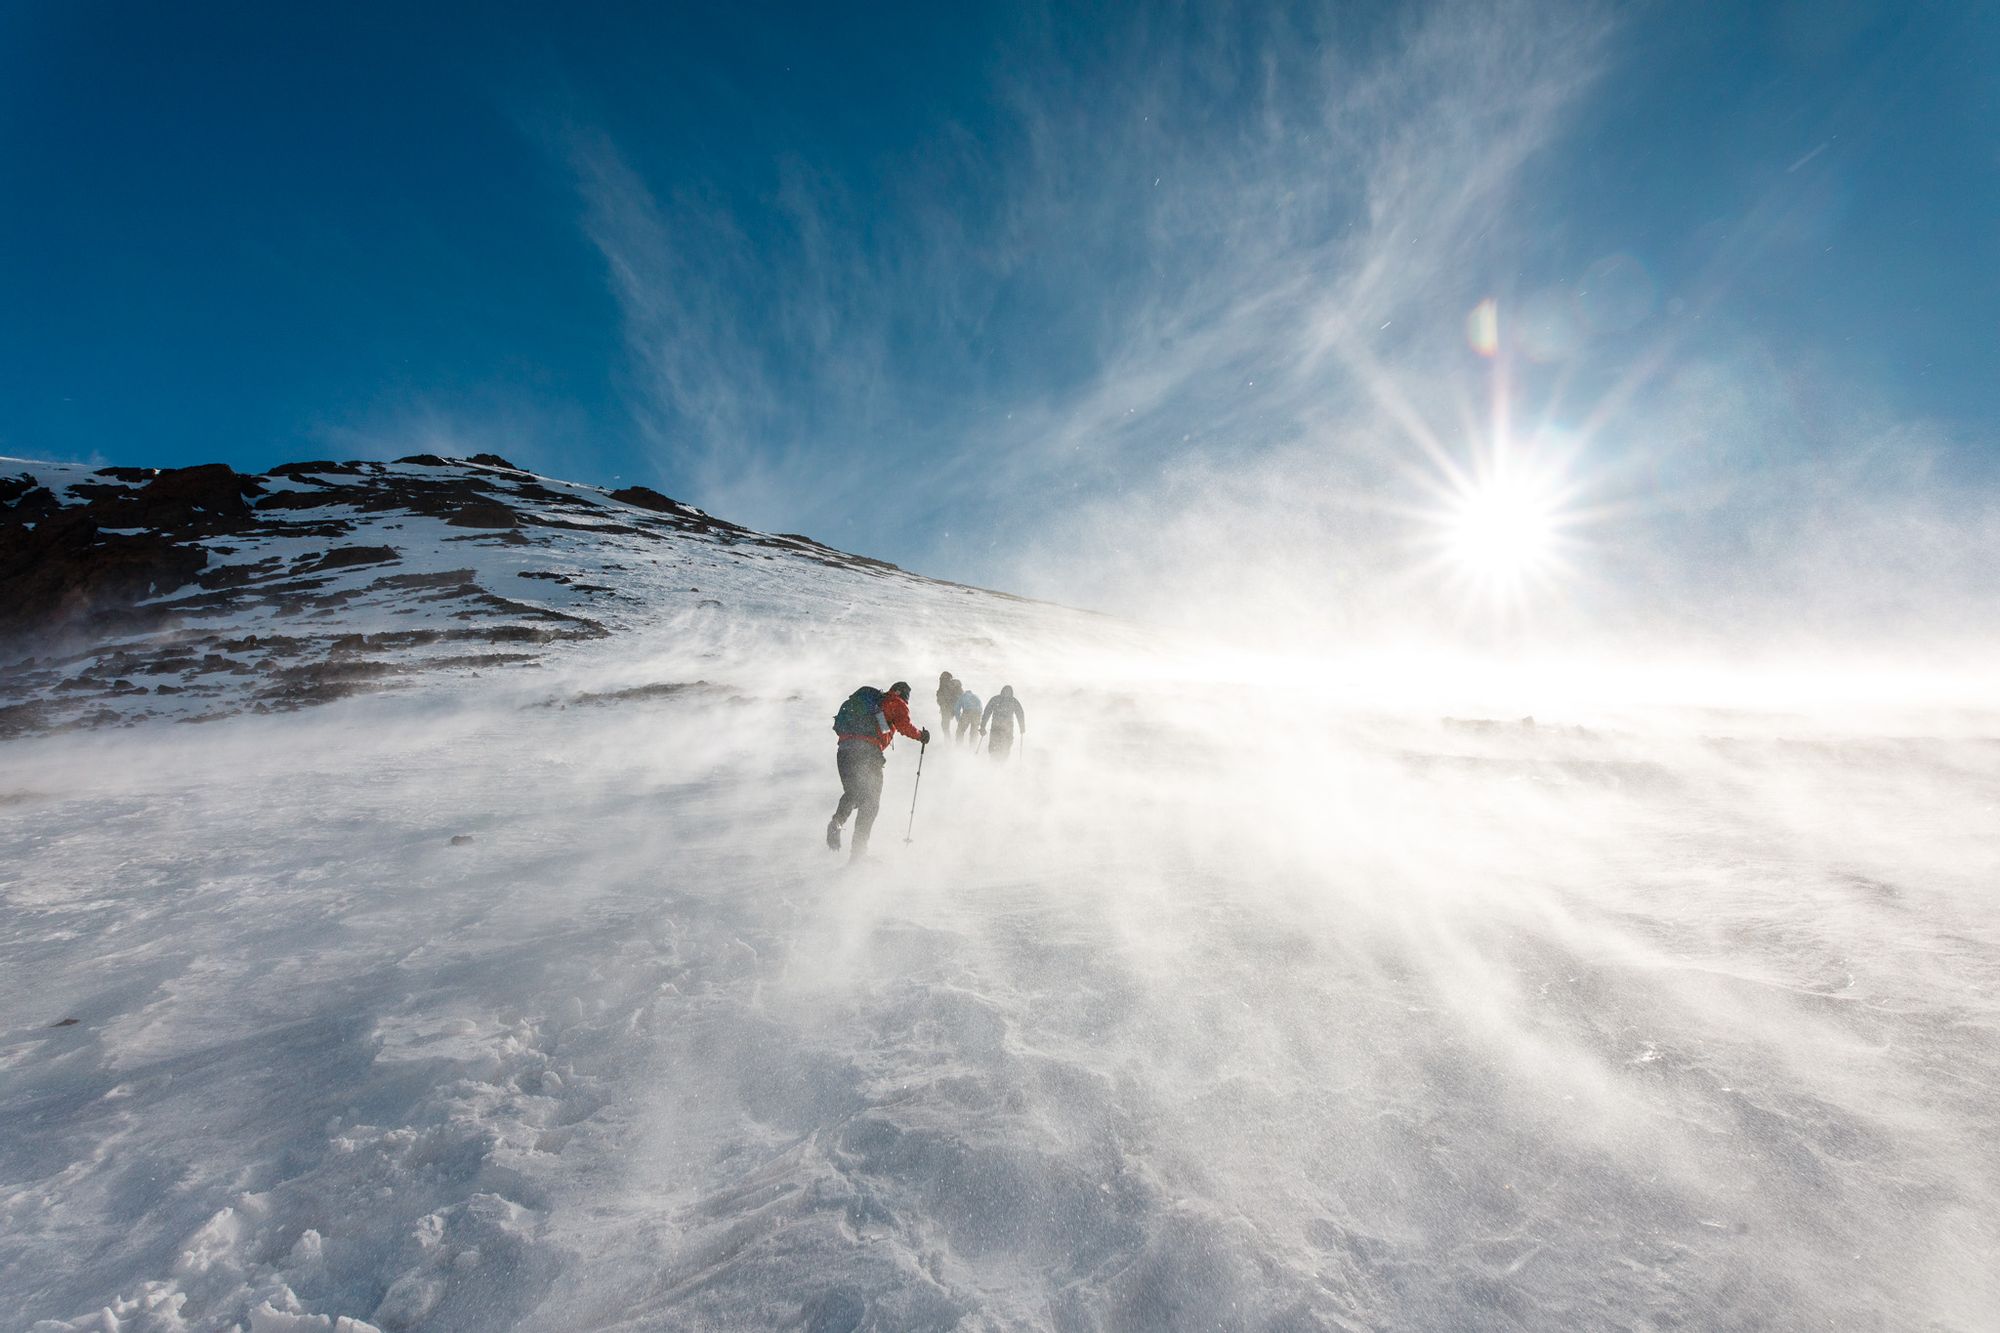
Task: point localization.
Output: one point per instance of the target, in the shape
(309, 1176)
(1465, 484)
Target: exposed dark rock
(492, 460)
(236, 576)
(461, 839)
(303, 499)
(511, 537)
(526, 610)
(64, 570)
(321, 529)
(89, 492)
(870, 564)
(179, 499)
(347, 557)
(529, 634)
(359, 669)
(666, 689)
(443, 579)
(23, 498)
(425, 460)
(481, 660)
(534, 490)
(436, 497)
(23, 719)
(322, 682)
(409, 638)
(216, 663)
(102, 717)
(301, 471)
(645, 497)
(481, 516)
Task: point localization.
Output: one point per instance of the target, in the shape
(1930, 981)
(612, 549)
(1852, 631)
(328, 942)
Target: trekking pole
(921, 751)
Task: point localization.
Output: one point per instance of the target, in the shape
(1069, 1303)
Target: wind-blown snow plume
(1214, 1005)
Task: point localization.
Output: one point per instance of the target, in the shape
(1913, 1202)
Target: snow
(1205, 1011)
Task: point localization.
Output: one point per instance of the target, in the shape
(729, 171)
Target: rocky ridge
(194, 593)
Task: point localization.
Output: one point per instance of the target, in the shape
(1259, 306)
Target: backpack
(860, 715)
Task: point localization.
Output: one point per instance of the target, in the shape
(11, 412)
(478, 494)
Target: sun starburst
(1501, 527)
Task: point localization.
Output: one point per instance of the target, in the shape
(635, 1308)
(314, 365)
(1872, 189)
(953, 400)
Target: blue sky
(1133, 305)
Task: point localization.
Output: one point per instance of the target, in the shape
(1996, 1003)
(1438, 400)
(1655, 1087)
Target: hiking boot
(832, 836)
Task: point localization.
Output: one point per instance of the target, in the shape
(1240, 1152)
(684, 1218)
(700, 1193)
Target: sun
(1499, 529)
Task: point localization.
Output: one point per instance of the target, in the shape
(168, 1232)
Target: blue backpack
(860, 715)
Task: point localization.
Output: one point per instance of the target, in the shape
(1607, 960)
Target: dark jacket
(1003, 712)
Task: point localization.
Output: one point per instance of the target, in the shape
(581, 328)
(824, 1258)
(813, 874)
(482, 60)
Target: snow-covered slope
(532, 999)
(195, 594)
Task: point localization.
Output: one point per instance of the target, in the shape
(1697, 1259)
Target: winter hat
(901, 687)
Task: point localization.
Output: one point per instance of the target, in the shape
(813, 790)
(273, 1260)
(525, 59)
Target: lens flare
(1482, 328)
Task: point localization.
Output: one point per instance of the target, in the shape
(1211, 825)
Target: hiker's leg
(870, 801)
(851, 760)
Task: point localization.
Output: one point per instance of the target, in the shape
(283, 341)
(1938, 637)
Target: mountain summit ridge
(192, 593)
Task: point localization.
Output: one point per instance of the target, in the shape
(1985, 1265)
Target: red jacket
(895, 711)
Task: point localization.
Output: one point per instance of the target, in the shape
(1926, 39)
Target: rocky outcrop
(64, 570)
(194, 593)
(645, 497)
(131, 538)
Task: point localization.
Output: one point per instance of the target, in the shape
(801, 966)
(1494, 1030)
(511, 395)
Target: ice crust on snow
(1202, 1012)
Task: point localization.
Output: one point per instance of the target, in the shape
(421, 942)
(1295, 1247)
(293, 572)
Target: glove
(924, 736)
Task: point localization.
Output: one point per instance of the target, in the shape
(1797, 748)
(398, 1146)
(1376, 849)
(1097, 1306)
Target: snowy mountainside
(532, 999)
(192, 594)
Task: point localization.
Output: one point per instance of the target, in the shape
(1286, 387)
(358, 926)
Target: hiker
(866, 724)
(949, 688)
(998, 722)
(968, 717)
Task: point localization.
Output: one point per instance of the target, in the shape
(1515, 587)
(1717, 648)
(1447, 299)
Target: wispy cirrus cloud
(1197, 203)
(764, 370)
(1179, 328)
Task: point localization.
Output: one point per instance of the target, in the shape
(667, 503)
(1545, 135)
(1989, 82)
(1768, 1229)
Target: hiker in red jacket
(866, 724)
